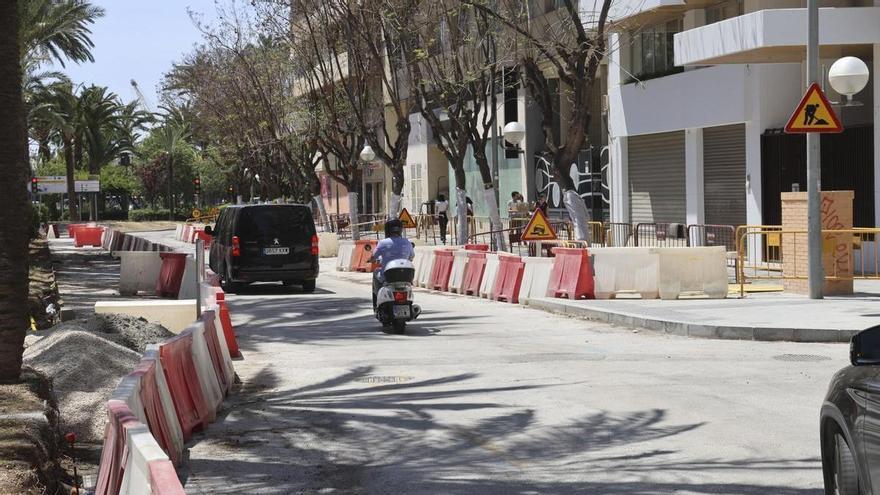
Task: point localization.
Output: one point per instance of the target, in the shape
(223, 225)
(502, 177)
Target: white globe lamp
(848, 76)
(514, 133)
(367, 154)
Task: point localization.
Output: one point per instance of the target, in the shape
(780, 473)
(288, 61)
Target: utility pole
(814, 168)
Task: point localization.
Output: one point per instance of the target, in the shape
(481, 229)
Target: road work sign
(538, 228)
(406, 219)
(813, 114)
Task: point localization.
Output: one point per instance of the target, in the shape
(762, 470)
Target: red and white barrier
(456, 277)
(487, 286)
(142, 450)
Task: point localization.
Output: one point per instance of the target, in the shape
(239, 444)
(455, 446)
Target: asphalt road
(485, 397)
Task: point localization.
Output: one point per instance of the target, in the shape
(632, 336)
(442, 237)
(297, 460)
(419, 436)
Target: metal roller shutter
(656, 178)
(724, 174)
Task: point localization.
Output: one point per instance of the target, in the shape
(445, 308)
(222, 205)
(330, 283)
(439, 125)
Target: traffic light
(35, 185)
(197, 185)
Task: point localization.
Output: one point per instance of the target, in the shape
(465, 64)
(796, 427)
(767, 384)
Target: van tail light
(236, 247)
(315, 245)
(399, 297)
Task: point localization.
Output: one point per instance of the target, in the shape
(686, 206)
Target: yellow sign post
(538, 228)
(406, 219)
(813, 114)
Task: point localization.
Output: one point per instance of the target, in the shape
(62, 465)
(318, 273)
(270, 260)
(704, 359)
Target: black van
(265, 243)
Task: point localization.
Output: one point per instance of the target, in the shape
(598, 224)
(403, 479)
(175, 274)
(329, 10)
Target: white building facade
(698, 92)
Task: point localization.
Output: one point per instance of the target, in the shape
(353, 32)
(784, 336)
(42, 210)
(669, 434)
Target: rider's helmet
(393, 227)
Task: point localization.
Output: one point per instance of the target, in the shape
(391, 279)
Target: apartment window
(724, 10)
(652, 52)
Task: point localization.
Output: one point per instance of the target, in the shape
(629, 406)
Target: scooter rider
(392, 247)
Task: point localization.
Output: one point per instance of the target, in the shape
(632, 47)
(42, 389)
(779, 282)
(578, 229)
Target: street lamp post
(814, 170)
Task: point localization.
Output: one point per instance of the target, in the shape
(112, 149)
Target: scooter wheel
(398, 327)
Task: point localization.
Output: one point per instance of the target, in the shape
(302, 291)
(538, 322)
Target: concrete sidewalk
(760, 316)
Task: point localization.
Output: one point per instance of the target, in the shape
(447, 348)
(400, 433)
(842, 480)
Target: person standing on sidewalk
(441, 209)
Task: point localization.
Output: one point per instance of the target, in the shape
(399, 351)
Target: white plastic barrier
(328, 244)
(142, 450)
(138, 271)
(427, 267)
(631, 269)
(693, 269)
(205, 369)
(456, 277)
(536, 278)
(178, 231)
(419, 262)
(152, 353)
(129, 391)
(343, 258)
(226, 364)
(188, 281)
(487, 285)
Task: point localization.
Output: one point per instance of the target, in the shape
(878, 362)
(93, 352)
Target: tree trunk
(171, 187)
(495, 218)
(394, 207)
(461, 216)
(322, 212)
(353, 215)
(70, 166)
(14, 207)
(577, 211)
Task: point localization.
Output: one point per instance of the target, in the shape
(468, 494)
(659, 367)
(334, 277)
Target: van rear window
(282, 222)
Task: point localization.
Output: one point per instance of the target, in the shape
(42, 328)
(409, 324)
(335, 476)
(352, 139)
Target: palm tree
(174, 132)
(14, 207)
(57, 30)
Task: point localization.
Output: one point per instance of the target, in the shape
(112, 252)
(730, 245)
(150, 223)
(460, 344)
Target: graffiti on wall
(589, 175)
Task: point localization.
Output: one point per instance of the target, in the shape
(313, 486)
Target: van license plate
(401, 311)
(278, 250)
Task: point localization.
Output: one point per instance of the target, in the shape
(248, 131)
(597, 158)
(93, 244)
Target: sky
(139, 39)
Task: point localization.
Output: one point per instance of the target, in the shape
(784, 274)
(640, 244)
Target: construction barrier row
(573, 273)
(176, 389)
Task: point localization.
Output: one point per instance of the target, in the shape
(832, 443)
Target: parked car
(850, 421)
(265, 243)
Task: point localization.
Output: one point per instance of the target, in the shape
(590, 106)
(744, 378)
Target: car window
(286, 223)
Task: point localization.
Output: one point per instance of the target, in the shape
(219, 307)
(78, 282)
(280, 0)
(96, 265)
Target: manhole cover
(801, 357)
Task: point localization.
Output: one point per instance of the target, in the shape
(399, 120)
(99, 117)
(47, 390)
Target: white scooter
(394, 301)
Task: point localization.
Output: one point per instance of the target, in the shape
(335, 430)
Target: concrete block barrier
(113, 454)
(142, 450)
(536, 278)
(625, 269)
(487, 286)
(175, 315)
(343, 259)
(328, 244)
(693, 269)
(138, 271)
(456, 277)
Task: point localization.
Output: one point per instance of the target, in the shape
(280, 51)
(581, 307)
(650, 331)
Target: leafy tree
(57, 30)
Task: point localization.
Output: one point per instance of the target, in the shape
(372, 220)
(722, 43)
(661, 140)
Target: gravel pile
(85, 359)
(84, 368)
(132, 333)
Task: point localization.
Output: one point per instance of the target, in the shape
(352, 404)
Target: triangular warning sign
(406, 219)
(538, 228)
(813, 114)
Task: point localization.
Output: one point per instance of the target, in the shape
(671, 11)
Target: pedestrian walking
(441, 209)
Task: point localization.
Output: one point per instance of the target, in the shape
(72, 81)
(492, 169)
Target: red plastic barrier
(443, 260)
(156, 420)
(193, 233)
(360, 258)
(114, 454)
(71, 229)
(183, 383)
(87, 236)
(228, 330)
(572, 274)
(473, 273)
(200, 234)
(476, 247)
(171, 274)
(509, 278)
(163, 479)
(215, 350)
